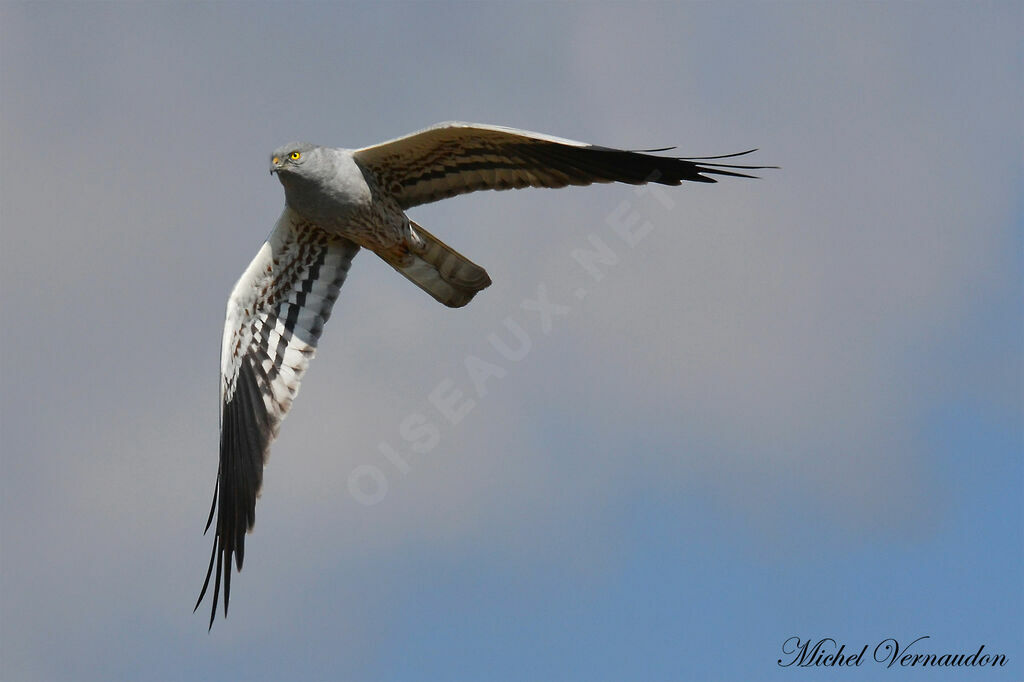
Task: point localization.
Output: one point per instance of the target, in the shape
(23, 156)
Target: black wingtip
(704, 164)
(213, 505)
(227, 588)
(216, 590)
(244, 440)
(720, 156)
(650, 151)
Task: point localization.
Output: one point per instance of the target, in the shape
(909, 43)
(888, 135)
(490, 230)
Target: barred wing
(455, 158)
(275, 315)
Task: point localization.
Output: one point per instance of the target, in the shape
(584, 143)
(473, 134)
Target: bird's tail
(443, 272)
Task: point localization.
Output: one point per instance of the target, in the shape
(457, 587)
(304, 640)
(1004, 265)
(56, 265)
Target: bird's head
(293, 159)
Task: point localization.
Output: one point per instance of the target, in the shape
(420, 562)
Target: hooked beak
(279, 165)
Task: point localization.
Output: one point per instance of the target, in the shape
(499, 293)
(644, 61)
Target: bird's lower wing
(275, 315)
(456, 158)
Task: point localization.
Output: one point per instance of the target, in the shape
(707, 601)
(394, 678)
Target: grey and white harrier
(336, 201)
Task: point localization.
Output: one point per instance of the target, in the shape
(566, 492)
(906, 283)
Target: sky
(789, 407)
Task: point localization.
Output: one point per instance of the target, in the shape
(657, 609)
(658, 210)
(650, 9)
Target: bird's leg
(415, 243)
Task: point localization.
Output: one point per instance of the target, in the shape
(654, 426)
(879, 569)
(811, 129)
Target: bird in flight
(338, 201)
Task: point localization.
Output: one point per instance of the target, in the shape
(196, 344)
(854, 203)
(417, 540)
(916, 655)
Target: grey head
(320, 183)
(294, 158)
(305, 170)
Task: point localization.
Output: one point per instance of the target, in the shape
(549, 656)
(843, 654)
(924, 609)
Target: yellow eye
(294, 156)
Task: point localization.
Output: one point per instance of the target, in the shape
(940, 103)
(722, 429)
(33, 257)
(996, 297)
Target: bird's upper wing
(455, 158)
(274, 318)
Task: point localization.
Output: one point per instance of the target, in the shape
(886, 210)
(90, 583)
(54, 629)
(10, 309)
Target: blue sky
(794, 408)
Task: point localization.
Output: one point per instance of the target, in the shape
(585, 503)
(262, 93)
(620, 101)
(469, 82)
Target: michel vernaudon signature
(827, 653)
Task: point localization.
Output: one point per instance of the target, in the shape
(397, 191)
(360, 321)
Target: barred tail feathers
(443, 272)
